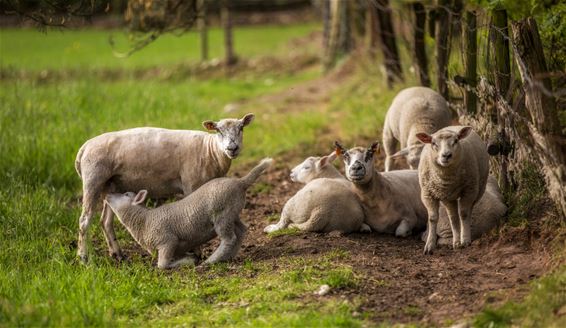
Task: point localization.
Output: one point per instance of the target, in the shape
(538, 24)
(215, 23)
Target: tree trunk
(541, 105)
(203, 30)
(388, 42)
(229, 55)
(442, 48)
(419, 43)
(469, 47)
(326, 28)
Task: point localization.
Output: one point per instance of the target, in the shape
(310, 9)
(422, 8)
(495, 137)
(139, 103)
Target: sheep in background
(414, 110)
(176, 228)
(390, 200)
(326, 203)
(453, 170)
(164, 162)
(487, 213)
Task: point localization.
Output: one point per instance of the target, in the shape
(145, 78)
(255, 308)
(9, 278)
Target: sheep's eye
(434, 144)
(306, 167)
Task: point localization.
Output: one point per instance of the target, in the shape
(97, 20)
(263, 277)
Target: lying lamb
(164, 162)
(390, 200)
(176, 228)
(485, 215)
(453, 170)
(326, 203)
(414, 110)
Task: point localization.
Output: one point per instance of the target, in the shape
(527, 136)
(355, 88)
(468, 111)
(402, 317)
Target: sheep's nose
(233, 148)
(446, 156)
(357, 167)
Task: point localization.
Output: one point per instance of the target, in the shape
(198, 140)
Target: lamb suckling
(390, 200)
(454, 168)
(164, 162)
(326, 203)
(487, 213)
(176, 228)
(413, 110)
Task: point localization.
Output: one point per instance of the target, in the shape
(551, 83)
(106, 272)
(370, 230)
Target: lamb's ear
(464, 132)
(325, 160)
(339, 149)
(210, 125)
(401, 153)
(247, 119)
(140, 197)
(424, 138)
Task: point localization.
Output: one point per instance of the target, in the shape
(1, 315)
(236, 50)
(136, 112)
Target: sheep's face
(120, 202)
(311, 168)
(358, 162)
(230, 133)
(445, 144)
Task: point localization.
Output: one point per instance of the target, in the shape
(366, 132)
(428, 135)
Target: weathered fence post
(230, 57)
(203, 30)
(541, 105)
(419, 43)
(499, 34)
(469, 47)
(442, 33)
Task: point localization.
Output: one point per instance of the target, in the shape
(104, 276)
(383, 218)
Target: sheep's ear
(210, 125)
(401, 153)
(424, 138)
(339, 149)
(325, 160)
(374, 148)
(248, 118)
(464, 132)
(140, 197)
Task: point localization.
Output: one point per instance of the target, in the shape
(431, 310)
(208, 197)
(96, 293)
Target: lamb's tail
(78, 160)
(251, 177)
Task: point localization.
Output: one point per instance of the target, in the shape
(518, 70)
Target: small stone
(323, 290)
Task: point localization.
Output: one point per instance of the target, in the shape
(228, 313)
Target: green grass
(544, 306)
(34, 50)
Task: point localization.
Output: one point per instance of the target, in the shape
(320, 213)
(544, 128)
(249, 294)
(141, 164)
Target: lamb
(176, 228)
(326, 203)
(453, 170)
(164, 162)
(390, 200)
(485, 215)
(414, 110)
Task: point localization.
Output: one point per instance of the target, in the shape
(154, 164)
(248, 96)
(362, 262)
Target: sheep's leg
(165, 256)
(282, 224)
(452, 210)
(240, 230)
(228, 243)
(389, 144)
(107, 222)
(432, 209)
(365, 228)
(465, 211)
(91, 195)
(403, 229)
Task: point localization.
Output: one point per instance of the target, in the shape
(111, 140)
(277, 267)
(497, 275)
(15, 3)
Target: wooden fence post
(419, 43)
(388, 43)
(469, 45)
(541, 106)
(442, 33)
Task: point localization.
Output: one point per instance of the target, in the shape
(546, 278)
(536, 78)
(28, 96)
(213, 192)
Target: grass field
(42, 125)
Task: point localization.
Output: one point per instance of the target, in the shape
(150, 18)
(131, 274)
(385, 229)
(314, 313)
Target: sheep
(413, 110)
(453, 170)
(175, 228)
(326, 203)
(390, 200)
(165, 162)
(485, 215)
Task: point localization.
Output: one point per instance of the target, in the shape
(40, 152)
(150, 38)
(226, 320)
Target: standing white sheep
(326, 203)
(390, 200)
(413, 110)
(164, 162)
(453, 170)
(176, 228)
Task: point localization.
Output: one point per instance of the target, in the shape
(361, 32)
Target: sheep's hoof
(465, 243)
(428, 249)
(455, 244)
(270, 228)
(365, 228)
